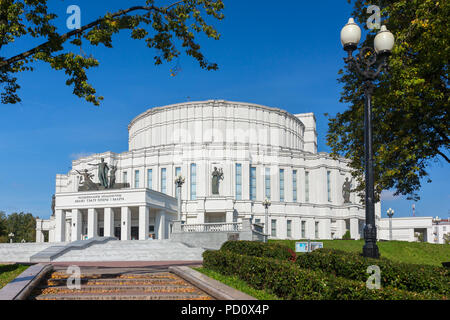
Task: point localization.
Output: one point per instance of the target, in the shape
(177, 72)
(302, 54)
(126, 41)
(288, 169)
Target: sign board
(307, 246)
(301, 247)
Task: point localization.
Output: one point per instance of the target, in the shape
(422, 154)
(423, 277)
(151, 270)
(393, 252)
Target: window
(193, 181)
(281, 185)
(163, 180)
(136, 178)
(329, 185)
(306, 186)
(125, 177)
(288, 228)
(258, 221)
(294, 185)
(303, 235)
(316, 230)
(149, 178)
(252, 183)
(238, 181)
(274, 228)
(267, 183)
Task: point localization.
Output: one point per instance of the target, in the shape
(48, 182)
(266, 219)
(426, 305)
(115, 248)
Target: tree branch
(72, 33)
(443, 156)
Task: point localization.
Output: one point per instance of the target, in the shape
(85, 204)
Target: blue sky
(284, 54)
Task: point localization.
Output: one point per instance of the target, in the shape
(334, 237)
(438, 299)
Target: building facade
(233, 156)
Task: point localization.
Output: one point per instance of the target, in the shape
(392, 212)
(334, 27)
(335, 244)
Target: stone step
(108, 282)
(135, 295)
(159, 285)
(118, 288)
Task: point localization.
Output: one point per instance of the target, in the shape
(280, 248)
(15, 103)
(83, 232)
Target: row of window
(238, 182)
(273, 228)
(281, 184)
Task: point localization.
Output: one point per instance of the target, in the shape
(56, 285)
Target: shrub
(346, 236)
(260, 249)
(411, 277)
(289, 281)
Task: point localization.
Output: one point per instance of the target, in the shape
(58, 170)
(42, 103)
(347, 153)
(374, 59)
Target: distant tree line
(22, 225)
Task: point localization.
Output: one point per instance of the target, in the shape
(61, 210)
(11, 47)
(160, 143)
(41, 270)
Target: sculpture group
(86, 183)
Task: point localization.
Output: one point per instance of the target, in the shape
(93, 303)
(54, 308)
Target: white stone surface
(138, 250)
(21, 252)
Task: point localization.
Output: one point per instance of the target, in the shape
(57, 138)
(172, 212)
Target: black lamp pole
(368, 64)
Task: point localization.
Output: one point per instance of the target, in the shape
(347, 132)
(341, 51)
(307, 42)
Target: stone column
(160, 225)
(229, 217)
(39, 233)
(60, 226)
(76, 224)
(326, 229)
(92, 223)
(108, 218)
(125, 223)
(354, 228)
(143, 222)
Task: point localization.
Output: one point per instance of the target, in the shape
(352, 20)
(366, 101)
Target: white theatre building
(260, 152)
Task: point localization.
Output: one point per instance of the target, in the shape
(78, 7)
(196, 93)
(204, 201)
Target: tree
(22, 225)
(446, 238)
(410, 102)
(163, 28)
(3, 224)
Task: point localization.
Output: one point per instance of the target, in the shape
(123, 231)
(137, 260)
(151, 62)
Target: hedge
(287, 280)
(411, 277)
(260, 249)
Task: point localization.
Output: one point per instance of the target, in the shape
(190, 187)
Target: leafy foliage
(346, 235)
(22, 225)
(287, 280)
(163, 28)
(258, 249)
(410, 103)
(410, 277)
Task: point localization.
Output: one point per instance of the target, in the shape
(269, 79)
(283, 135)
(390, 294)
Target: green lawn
(9, 272)
(238, 284)
(400, 251)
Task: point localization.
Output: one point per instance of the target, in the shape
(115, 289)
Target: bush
(346, 236)
(260, 249)
(289, 281)
(411, 277)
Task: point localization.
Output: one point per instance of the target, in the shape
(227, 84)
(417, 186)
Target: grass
(238, 284)
(9, 272)
(399, 251)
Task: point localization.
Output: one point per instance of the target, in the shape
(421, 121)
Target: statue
(112, 177)
(346, 188)
(102, 172)
(53, 205)
(87, 183)
(217, 175)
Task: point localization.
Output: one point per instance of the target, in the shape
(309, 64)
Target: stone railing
(213, 235)
(212, 227)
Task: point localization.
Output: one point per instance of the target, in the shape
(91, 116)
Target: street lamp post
(179, 181)
(266, 203)
(11, 236)
(368, 66)
(390, 213)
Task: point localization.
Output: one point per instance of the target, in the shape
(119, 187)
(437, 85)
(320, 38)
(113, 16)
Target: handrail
(212, 227)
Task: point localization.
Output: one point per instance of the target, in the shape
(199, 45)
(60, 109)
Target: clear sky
(283, 54)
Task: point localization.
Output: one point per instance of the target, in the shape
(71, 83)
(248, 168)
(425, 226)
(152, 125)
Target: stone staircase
(129, 285)
(134, 250)
(21, 252)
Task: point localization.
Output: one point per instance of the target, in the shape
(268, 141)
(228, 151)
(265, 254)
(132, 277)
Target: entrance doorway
(134, 233)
